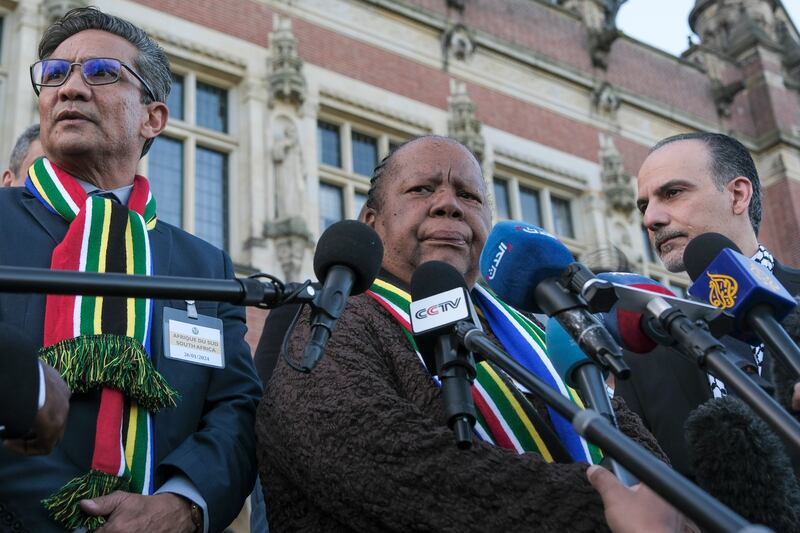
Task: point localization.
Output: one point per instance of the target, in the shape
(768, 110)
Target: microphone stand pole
(687, 497)
(239, 291)
(709, 353)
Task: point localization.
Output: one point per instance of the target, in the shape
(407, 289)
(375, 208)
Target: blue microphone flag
(737, 284)
(517, 256)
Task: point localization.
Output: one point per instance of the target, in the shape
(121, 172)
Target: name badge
(193, 338)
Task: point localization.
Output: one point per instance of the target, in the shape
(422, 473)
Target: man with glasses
(154, 440)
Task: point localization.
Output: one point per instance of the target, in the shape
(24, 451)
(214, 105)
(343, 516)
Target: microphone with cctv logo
(439, 301)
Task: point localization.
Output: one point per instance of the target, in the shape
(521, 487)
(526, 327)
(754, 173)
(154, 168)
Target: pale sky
(665, 23)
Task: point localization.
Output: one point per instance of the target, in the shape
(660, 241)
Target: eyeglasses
(95, 71)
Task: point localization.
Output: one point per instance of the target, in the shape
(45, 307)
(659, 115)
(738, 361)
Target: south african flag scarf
(103, 343)
(503, 416)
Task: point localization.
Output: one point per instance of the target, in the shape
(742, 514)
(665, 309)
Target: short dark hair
(151, 64)
(729, 160)
(21, 148)
(386, 165)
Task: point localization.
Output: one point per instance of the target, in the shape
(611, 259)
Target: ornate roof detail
(462, 123)
(286, 80)
(617, 185)
(457, 43)
(54, 9)
(600, 19)
(605, 99)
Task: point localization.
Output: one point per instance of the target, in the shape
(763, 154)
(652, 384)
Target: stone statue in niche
(290, 180)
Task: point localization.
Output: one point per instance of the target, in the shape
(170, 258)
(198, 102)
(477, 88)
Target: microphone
(694, 339)
(439, 301)
(524, 265)
(782, 376)
(626, 326)
(19, 381)
(739, 461)
(706, 511)
(640, 334)
(348, 258)
(727, 279)
(578, 371)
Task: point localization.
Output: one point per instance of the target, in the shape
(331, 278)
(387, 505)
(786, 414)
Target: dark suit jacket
(665, 386)
(19, 383)
(208, 437)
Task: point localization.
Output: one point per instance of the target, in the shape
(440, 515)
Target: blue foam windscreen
(517, 257)
(564, 353)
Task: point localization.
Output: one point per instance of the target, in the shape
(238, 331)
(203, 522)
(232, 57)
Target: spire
(462, 123)
(732, 26)
(286, 79)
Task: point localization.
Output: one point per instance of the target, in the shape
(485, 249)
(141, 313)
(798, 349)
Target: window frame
(516, 179)
(191, 135)
(344, 176)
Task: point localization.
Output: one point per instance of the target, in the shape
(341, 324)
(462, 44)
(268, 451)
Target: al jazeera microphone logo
(722, 290)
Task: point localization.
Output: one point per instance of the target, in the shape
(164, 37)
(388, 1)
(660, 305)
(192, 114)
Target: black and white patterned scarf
(762, 257)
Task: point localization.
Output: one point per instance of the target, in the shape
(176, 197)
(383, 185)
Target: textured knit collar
(764, 258)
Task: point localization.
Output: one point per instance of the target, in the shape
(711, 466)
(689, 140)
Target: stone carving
(457, 42)
(600, 19)
(458, 5)
(287, 160)
(724, 94)
(608, 258)
(715, 66)
(54, 9)
(727, 25)
(288, 231)
(286, 80)
(617, 186)
(605, 100)
(791, 55)
(462, 123)
(292, 239)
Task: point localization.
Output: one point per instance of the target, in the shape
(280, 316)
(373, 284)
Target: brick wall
(255, 325)
(560, 38)
(246, 19)
(398, 74)
(781, 219)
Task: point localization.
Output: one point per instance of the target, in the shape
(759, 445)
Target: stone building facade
(281, 108)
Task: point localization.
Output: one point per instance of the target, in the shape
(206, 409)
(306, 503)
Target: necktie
(105, 194)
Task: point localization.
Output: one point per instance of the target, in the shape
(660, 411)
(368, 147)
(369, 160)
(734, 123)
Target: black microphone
(694, 339)
(783, 377)
(348, 258)
(439, 300)
(532, 270)
(697, 504)
(727, 279)
(741, 462)
(19, 383)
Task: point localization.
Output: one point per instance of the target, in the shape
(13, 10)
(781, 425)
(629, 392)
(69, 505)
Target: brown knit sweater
(361, 444)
